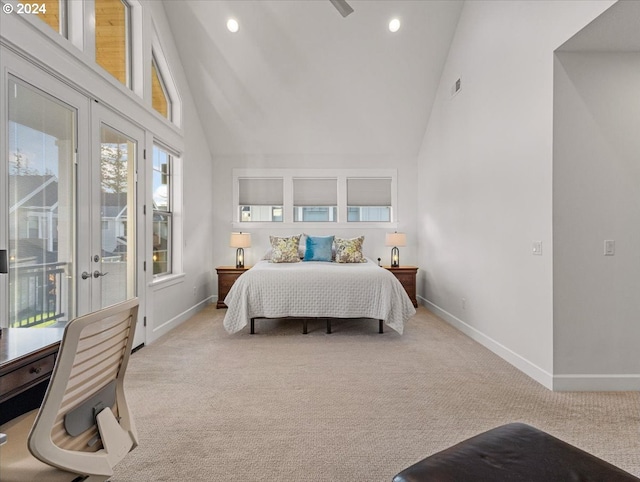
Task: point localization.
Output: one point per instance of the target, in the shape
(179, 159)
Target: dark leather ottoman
(513, 452)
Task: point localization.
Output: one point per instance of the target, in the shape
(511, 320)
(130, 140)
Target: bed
(316, 289)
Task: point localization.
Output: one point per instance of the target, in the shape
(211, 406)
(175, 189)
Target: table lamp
(395, 239)
(240, 241)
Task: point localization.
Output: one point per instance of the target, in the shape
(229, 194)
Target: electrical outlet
(464, 304)
(195, 291)
(609, 247)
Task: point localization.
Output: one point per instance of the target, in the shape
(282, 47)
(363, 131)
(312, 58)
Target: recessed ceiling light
(394, 25)
(232, 25)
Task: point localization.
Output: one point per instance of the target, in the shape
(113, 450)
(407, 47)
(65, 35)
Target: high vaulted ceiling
(299, 79)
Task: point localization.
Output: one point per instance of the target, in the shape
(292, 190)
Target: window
(369, 199)
(159, 97)
(315, 200)
(162, 211)
(112, 19)
(165, 97)
(52, 12)
(261, 200)
(291, 196)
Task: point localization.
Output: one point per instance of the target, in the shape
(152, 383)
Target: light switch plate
(537, 248)
(609, 247)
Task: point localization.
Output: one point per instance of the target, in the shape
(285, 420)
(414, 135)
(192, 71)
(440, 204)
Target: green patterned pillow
(285, 250)
(349, 250)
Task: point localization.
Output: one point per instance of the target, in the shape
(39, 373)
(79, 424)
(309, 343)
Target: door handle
(85, 275)
(97, 274)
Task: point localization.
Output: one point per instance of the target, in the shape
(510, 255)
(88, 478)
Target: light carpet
(354, 405)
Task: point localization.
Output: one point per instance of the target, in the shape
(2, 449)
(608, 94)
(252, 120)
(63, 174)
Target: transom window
(315, 200)
(159, 97)
(112, 19)
(51, 12)
(111, 33)
(315, 195)
(260, 200)
(369, 199)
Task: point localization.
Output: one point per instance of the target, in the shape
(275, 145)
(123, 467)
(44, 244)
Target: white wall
(596, 196)
(174, 301)
(373, 247)
(301, 87)
(485, 177)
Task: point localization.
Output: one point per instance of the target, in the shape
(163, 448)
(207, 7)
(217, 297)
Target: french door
(46, 132)
(108, 221)
(69, 238)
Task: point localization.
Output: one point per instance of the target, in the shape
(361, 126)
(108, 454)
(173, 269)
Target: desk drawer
(23, 377)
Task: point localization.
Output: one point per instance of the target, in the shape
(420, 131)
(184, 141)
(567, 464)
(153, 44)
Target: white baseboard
(558, 383)
(538, 374)
(177, 320)
(596, 383)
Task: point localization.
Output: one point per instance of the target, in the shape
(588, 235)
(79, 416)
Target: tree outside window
(162, 211)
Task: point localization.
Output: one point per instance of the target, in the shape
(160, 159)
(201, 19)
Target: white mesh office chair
(83, 428)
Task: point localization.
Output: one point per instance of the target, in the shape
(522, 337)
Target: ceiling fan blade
(342, 6)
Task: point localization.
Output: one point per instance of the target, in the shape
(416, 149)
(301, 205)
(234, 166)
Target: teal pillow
(318, 248)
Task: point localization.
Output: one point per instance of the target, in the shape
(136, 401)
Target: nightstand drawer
(407, 277)
(226, 282)
(24, 376)
(408, 280)
(227, 275)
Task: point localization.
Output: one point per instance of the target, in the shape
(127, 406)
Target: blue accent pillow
(318, 248)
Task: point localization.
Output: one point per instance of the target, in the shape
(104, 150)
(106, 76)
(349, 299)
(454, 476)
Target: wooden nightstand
(227, 275)
(407, 276)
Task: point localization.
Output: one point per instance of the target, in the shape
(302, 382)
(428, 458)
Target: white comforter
(317, 289)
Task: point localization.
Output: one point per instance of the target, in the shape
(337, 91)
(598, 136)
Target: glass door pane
(41, 147)
(118, 213)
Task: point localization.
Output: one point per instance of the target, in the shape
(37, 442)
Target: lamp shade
(396, 239)
(240, 240)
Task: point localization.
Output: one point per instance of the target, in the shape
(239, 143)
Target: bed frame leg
(304, 326)
(328, 326)
(253, 330)
(380, 327)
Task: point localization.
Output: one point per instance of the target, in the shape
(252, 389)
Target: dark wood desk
(27, 356)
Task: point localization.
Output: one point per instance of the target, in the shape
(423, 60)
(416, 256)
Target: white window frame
(167, 81)
(323, 197)
(133, 19)
(72, 61)
(168, 173)
(163, 87)
(287, 175)
(79, 40)
(175, 271)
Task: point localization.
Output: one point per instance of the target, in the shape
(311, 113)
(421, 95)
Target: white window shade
(261, 192)
(369, 192)
(315, 192)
